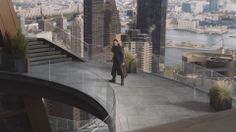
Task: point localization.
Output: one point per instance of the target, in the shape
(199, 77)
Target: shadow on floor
(195, 106)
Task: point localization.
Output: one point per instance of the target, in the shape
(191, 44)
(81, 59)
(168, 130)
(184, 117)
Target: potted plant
(1, 46)
(221, 96)
(131, 63)
(7, 58)
(19, 51)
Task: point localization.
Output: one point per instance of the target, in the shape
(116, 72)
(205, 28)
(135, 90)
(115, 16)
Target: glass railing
(59, 124)
(80, 76)
(193, 75)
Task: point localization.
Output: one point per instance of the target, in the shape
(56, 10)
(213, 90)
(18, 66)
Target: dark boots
(122, 81)
(113, 80)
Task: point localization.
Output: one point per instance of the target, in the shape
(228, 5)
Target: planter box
(218, 106)
(7, 62)
(0, 57)
(21, 65)
(131, 68)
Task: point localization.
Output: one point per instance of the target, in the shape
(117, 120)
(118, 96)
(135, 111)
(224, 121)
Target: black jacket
(118, 54)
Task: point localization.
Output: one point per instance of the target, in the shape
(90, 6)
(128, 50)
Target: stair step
(48, 57)
(41, 50)
(30, 43)
(51, 61)
(32, 47)
(32, 55)
(32, 39)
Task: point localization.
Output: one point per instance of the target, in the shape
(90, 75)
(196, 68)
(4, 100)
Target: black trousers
(116, 69)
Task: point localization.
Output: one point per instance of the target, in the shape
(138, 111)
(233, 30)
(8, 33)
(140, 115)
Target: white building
(142, 51)
(187, 24)
(49, 10)
(77, 36)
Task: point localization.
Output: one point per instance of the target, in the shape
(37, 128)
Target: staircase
(42, 52)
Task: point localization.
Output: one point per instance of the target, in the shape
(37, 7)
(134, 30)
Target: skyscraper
(151, 19)
(143, 52)
(112, 25)
(61, 28)
(213, 5)
(45, 24)
(94, 25)
(77, 36)
(186, 7)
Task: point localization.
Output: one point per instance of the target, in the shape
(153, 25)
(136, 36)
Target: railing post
(49, 69)
(212, 73)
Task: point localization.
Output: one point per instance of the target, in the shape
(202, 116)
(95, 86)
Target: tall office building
(186, 7)
(94, 25)
(77, 36)
(151, 19)
(213, 5)
(45, 24)
(21, 20)
(143, 50)
(61, 27)
(61, 22)
(112, 25)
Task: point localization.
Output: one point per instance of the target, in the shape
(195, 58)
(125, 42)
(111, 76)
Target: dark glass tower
(94, 25)
(151, 19)
(112, 25)
(213, 5)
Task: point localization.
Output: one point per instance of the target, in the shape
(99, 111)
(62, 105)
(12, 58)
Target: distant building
(61, 27)
(223, 63)
(61, 22)
(144, 53)
(63, 112)
(77, 36)
(188, 25)
(45, 24)
(151, 19)
(213, 6)
(130, 13)
(57, 109)
(112, 25)
(186, 7)
(21, 20)
(94, 25)
(140, 47)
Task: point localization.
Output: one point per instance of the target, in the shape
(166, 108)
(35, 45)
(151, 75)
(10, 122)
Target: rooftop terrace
(145, 99)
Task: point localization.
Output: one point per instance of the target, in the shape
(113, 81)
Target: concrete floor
(145, 100)
(217, 122)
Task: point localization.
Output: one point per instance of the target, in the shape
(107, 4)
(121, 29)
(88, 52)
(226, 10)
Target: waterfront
(204, 39)
(174, 55)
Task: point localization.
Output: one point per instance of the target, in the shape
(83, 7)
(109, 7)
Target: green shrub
(129, 58)
(221, 96)
(19, 46)
(222, 91)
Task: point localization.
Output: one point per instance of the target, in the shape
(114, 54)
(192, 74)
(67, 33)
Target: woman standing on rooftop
(118, 62)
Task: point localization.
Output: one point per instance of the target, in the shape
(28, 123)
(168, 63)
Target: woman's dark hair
(115, 40)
